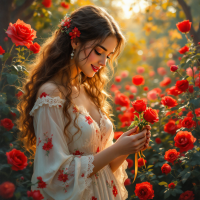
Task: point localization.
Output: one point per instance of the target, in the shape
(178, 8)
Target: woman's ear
(75, 43)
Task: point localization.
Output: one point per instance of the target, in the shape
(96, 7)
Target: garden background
(160, 65)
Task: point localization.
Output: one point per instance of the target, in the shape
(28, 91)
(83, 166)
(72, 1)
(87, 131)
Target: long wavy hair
(95, 24)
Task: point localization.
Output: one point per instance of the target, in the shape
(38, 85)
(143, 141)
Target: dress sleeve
(120, 174)
(58, 174)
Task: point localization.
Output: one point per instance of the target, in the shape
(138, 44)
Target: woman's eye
(100, 54)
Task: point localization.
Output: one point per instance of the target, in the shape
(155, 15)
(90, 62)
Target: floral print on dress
(44, 94)
(47, 144)
(89, 120)
(112, 185)
(63, 177)
(75, 109)
(77, 152)
(93, 198)
(41, 183)
(96, 175)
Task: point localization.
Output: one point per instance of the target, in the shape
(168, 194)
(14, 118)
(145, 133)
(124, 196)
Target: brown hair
(94, 23)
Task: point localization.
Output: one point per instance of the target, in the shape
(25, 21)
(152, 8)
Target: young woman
(66, 118)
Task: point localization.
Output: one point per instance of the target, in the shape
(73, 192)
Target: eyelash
(100, 54)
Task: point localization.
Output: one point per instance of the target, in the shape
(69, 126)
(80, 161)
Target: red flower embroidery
(41, 183)
(83, 175)
(89, 119)
(48, 145)
(93, 198)
(115, 191)
(62, 177)
(39, 141)
(96, 175)
(44, 94)
(75, 109)
(78, 153)
(60, 106)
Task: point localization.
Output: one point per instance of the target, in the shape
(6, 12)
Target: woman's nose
(102, 62)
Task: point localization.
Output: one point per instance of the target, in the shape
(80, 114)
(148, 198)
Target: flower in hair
(75, 33)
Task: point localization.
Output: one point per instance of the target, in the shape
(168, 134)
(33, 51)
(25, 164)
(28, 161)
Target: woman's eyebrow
(104, 48)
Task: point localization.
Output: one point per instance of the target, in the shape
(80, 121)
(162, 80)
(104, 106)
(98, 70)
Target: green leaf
(167, 193)
(5, 56)
(163, 183)
(17, 195)
(173, 192)
(2, 166)
(179, 191)
(150, 166)
(136, 118)
(185, 177)
(3, 98)
(11, 78)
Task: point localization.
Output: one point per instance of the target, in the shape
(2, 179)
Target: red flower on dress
(74, 33)
(44, 94)
(89, 120)
(78, 153)
(41, 183)
(35, 194)
(93, 198)
(115, 191)
(82, 175)
(48, 144)
(62, 177)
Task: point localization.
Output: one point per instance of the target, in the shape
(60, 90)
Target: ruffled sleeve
(120, 174)
(57, 174)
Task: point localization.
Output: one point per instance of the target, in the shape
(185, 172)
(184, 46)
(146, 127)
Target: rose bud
(173, 68)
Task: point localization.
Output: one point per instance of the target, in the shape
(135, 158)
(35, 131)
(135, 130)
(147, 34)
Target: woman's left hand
(148, 127)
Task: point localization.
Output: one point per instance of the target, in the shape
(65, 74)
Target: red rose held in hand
(21, 33)
(17, 159)
(138, 80)
(169, 102)
(184, 140)
(187, 195)
(139, 105)
(182, 85)
(184, 26)
(171, 155)
(166, 168)
(144, 191)
(151, 115)
(7, 190)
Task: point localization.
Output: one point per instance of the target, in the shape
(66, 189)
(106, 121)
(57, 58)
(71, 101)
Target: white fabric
(54, 155)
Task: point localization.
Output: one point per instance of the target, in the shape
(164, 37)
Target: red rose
(7, 190)
(139, 105)
(169, 102)
(191, 89)
(197, 112)
(145, 88)
(1, 50)
(170, 127)
(118, 79)
(35, 48)
(127, 181)
(170, 63)
(144, 191)
(17, 159)
(47, 3)
(141, 162)
(165, 82)
(184, 26)
(36, 195)
(184, 140)
(173, 68)
(158, 140)
(188, 122)
(41, 183)
(117, 134)
(151, 115)
(130, 162)
(161, 71)
(21, 33)
(64, 5)
(20, 93)
(171, 155)
(174, 91)
(182, 85)
(166, 168)
(171, 186)
(131, 96)
(184, 49)
(122, 100)
(7, 124)
(138, 80)
(187, 195)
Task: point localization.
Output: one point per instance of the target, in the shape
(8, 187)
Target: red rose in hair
(35, 194)
(187, 195)
(169, 102)
(166, 168)
(182, 85)
(170, 127)
(184, 49)
(1, 50)
(165, 82)
(138, 80)
(184, 140)
(141, 162)
(7, 190)
(187, 122)
(7, 124)
(171, 186)
(75, 33)
(127, 181)
(21, 33)
(151, 115)
(47, 3)
(35, 48)
(130, 162)
(144, 191)
(171, 155)
(184, 26)
(174, 91)
(122, 100)
(139, 105)
(17, 159)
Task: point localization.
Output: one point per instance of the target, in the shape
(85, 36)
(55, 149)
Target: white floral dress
(60, 171)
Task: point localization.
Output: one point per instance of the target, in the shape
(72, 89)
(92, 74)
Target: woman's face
(98, 56)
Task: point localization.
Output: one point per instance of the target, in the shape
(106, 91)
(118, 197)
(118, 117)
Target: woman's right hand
(129, 144)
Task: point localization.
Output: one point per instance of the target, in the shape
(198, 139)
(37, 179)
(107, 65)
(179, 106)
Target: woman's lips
(96, 70)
